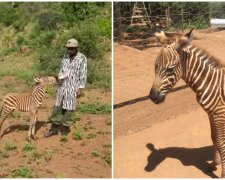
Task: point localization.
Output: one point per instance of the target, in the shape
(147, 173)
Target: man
(72, 75)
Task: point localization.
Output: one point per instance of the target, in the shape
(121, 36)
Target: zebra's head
(46, 80)
(168, 69)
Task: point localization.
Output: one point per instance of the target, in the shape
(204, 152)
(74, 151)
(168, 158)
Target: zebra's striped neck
(38, 94)
(203, 74)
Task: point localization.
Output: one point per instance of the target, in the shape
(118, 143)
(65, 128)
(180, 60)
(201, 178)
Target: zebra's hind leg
(216, 158)
(33, 127)
(31, 132)
(219, 141)
(5, 113)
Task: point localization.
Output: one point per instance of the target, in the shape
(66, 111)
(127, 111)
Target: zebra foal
(205, 76)
(27, 102)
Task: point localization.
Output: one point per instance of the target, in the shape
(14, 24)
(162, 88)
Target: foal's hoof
(33, 137)
(211, 168)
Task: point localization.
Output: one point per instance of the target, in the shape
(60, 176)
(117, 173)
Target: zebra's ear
(184, 41)
(37, 80)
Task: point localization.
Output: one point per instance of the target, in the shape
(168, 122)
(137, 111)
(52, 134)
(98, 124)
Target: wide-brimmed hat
(72, 43)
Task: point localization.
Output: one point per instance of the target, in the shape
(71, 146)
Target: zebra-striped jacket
(74, 75)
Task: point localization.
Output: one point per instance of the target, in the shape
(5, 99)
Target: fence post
(182, 18)
(117, 23)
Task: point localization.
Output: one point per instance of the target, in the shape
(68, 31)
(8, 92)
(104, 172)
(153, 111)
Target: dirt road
(167, 140)
(54, 157)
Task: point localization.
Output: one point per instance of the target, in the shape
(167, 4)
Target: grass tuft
(23, 172)
(94, 108)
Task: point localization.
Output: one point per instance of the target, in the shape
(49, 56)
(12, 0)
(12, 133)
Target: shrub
(49, 21)
(7, 14)
(49, 58)
(21, 41)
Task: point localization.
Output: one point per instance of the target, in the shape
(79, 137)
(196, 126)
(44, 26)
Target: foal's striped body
(205, 75)
(27, 102)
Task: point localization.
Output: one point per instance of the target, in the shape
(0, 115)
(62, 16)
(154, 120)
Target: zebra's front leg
(32, 120)
(216, 158)
(220, 139)
(33, 127)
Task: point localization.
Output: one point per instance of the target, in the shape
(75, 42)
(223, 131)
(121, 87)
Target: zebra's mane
(34, 88)
(212, 60)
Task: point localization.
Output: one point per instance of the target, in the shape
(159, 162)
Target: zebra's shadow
(188, 157)
(22, 127)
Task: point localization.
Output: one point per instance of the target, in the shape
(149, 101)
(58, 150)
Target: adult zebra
(27, 101)
(204, 75)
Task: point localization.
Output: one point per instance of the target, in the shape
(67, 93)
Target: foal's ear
(184, 40)
(37, 80)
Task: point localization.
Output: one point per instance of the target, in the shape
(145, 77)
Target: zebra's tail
(1, 110)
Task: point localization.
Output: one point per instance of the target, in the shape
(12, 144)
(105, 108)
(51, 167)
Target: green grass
(96, 153)
(77, 135)
(109, 145)
(48, 154)
(10, 146)
(64, 138)
(108, 158)
(31, 151)
(108, 122)
(94, 108)
(28, 147)
(9, 85)
(23, 172)
(60, 176)
(91, 135)
(26, 75)
(51, 90)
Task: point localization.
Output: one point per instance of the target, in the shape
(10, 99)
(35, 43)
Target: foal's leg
(33, 126)
(221, 148)
(5, 114)
(219, 132)
(32, 119)
(216, 158)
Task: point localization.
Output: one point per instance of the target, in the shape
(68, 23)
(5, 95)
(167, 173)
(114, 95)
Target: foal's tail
(1, 110)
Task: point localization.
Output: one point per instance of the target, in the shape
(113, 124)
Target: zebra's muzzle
(156, 96)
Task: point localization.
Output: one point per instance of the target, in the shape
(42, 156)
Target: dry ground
(55, 157)
(167, 140)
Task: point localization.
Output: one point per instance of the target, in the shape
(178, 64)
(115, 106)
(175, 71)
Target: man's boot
(65, 130)
(53, 130)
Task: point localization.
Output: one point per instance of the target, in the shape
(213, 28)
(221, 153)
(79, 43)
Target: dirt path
(178, 127)
(52, 157)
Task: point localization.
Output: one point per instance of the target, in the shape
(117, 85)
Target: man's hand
(79, 93)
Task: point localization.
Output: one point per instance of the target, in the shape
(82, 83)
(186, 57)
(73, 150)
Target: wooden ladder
(140, 15)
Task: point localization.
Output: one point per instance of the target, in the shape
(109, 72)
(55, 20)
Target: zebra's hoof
(211, 168)
(28, 139)
(33, 137)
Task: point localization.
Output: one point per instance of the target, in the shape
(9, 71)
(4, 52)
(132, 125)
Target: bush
(49, 60)
(41, 39)
(49, 21)
(8, 14)
(87, 34)
(21, 41)
(105, 27)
